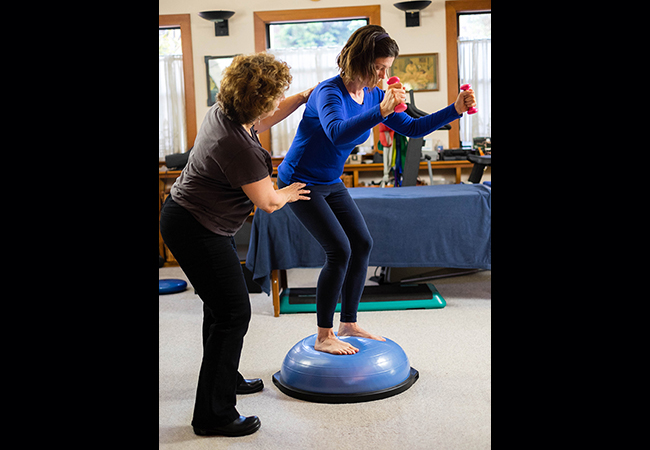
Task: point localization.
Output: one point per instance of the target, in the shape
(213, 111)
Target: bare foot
(352, 329)
(327, 342)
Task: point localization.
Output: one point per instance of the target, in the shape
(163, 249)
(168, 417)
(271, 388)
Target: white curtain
(309, 66)
(475, 68)
(172, 132)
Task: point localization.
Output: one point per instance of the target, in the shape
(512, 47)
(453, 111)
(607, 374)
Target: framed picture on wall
(214, 67)
(418, 72)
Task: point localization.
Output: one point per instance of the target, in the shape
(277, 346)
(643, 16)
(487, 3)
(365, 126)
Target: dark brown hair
(357, 59)
(250, 86)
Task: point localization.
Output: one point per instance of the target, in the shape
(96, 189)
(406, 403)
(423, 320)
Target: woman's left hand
(465, 101)
(307, 93)
(286, 107)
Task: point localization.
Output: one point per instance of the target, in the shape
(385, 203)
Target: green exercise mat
(374, 298)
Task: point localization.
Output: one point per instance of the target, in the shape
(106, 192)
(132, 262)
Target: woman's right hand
(295, 192)
(395, 94)
(267, 198)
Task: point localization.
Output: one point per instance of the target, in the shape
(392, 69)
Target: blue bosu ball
(171, 285)
(378, 370)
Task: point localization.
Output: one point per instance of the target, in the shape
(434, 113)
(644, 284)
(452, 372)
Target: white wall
(429, 37)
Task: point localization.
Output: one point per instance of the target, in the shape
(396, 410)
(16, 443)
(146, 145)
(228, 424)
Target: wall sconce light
(412, 11)
(220, 19)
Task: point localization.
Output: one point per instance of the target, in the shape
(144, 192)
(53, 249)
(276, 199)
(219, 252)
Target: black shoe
(250, 386)
(240, 427)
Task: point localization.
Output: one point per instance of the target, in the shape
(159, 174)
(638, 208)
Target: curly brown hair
(357, 59)
(250, 86)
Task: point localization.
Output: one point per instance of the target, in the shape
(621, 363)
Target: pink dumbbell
(473, 109)
(402, 106)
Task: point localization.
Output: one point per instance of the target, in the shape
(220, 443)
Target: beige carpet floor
(449, 407)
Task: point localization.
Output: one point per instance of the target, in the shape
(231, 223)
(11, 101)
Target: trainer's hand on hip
(295, 192)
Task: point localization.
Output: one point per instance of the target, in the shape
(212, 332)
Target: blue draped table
(419, 226)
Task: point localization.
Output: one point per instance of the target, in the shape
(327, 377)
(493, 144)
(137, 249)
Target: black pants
(211, 264)
(334, 219)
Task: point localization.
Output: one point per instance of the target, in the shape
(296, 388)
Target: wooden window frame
(452, 9)
(263, 18)
(183, 21)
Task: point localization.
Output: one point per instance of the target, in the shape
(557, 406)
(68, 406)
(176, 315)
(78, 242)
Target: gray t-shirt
(224, 158)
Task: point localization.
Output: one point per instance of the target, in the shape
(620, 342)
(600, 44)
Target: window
(172, 129)
(332, 33)
(174, 30)
(475, 68)
(310, 49)
(453, 11)
(475, 26)
(169, 41)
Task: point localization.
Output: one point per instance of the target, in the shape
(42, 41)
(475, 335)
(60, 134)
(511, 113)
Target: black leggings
(334, 219)
(211, 264)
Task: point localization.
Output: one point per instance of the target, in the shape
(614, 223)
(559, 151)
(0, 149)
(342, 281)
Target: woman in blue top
(339, 115)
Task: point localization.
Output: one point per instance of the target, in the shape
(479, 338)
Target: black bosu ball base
(316, 397)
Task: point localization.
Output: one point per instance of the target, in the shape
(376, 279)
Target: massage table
(418, 226)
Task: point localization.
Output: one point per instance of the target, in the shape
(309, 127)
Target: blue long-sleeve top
(333, 124)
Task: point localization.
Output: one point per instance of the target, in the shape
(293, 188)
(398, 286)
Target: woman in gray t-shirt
(227, 173)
